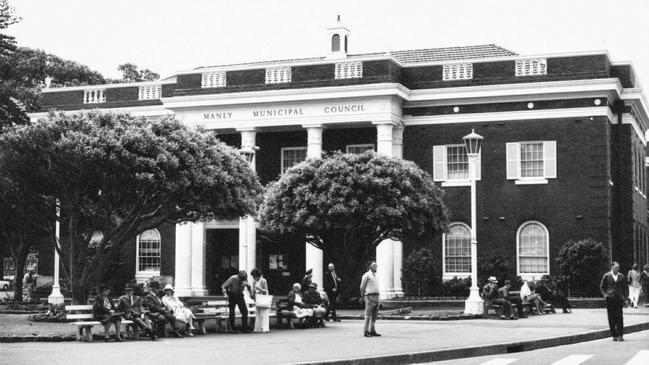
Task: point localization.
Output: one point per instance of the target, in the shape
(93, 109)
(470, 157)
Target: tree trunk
(18, 278)
(350, 269)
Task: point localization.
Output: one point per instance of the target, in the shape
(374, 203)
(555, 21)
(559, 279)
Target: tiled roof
(404, 57)
(450, 53)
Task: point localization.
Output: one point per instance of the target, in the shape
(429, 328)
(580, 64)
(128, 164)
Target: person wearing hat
(233, 289)
(313, 299)
(492, 295)
(178, 309)
(105, 312)
(131, 307)
(306, 281)
(158, 312)
(548, 290)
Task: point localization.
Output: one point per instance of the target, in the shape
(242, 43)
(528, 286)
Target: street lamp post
(474, 304)
(56, 297)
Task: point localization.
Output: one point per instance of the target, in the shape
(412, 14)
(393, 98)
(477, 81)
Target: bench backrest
(221, 307)
(79, 312)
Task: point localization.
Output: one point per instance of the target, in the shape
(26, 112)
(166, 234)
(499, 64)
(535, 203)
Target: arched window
(457, 251)
(335, 43)
(532, 248)
(148, 252)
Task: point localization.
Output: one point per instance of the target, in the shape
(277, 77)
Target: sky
(168, 36)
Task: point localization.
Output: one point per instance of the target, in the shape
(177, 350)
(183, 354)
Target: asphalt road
(633, 351)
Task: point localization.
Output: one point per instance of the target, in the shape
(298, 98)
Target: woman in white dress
(182, 313)
(262, 314)
(634, 285)
(301, 310)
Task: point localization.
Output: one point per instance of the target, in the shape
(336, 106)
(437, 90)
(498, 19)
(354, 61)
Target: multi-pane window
(531, 67)
(533, 250)
(213, 79)
(457, 163)
(92, 96)
(463, 71)
(359, 148)
(349, 70)
(457, 249)
(149, 251)
(451, 164)
(532, 159)
(531, 162)
(150, 92)
(292, 156)
(278, 75)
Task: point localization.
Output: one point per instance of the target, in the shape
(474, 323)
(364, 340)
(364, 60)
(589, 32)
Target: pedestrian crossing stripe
(499, 361)
(641, 358)
(572, 360)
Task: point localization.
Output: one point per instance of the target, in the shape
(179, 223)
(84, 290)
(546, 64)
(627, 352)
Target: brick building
(563, 152)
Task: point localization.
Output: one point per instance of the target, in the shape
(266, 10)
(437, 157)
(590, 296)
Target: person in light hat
(158, 312)
(178, 309)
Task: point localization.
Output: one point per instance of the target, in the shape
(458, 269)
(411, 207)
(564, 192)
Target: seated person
(515, 300)
(131, 307)
(301, 310)
(549, 291)
(104, 312)
(528, 295)
(492, 295)
(158, 312)
(178, 309)
(314, 299)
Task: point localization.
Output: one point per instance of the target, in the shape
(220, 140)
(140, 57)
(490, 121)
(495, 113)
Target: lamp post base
(56, 297)
(474, 304)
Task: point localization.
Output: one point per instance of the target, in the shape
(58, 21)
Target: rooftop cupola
(338, 40)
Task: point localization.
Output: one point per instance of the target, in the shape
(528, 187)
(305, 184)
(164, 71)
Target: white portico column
(247, 226)
(313, 255)
(397, 246)
(198, 259)
(385, 249)
(183, 275)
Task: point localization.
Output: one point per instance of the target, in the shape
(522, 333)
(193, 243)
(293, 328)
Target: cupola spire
(338, 36)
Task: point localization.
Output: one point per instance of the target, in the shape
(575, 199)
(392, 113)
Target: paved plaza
(403, 341)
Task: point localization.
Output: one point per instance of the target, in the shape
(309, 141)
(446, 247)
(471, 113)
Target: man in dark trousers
(331, 287)
(615, 289)
(233, 290)
(131, 306)
(158, 313)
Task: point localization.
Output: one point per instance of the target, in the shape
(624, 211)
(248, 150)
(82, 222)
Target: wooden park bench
(82, 317)
(218, 310)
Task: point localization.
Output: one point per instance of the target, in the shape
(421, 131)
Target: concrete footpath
(403, 342)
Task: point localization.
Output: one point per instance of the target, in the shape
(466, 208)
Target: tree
(346, 204)
(116, 176)
(130, 73)
(497, 264)
(581, 264)
(20, 226)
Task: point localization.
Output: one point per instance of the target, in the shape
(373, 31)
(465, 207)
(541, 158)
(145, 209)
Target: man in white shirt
(370, 292)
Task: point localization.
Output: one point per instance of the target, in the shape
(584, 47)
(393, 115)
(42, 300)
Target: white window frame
(278, 75)
(440, 167)
(142, 276)
(532, 67)
(281, 166)
(349, 70)
(457, 71)
(446, 275)
(367, 146)
(532, 276)
(513, 163)
(213, 79)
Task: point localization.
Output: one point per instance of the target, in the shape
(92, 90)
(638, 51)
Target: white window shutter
(550, 159)
(439, 163)
(478, 168)
(513, 161)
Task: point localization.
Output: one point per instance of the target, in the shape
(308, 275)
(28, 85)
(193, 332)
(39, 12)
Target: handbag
(263, 300)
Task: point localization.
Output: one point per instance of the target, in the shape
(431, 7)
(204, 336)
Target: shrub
(581, 265)
(419, 272)
(456, 287)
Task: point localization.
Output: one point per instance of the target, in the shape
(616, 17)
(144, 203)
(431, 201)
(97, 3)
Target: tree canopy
(116, 176)
(346, 204)
(130, 73)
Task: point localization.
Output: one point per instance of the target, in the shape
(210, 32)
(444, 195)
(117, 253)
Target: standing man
(331, 286)
(615, 290)
(370, 293)
(233, 290)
